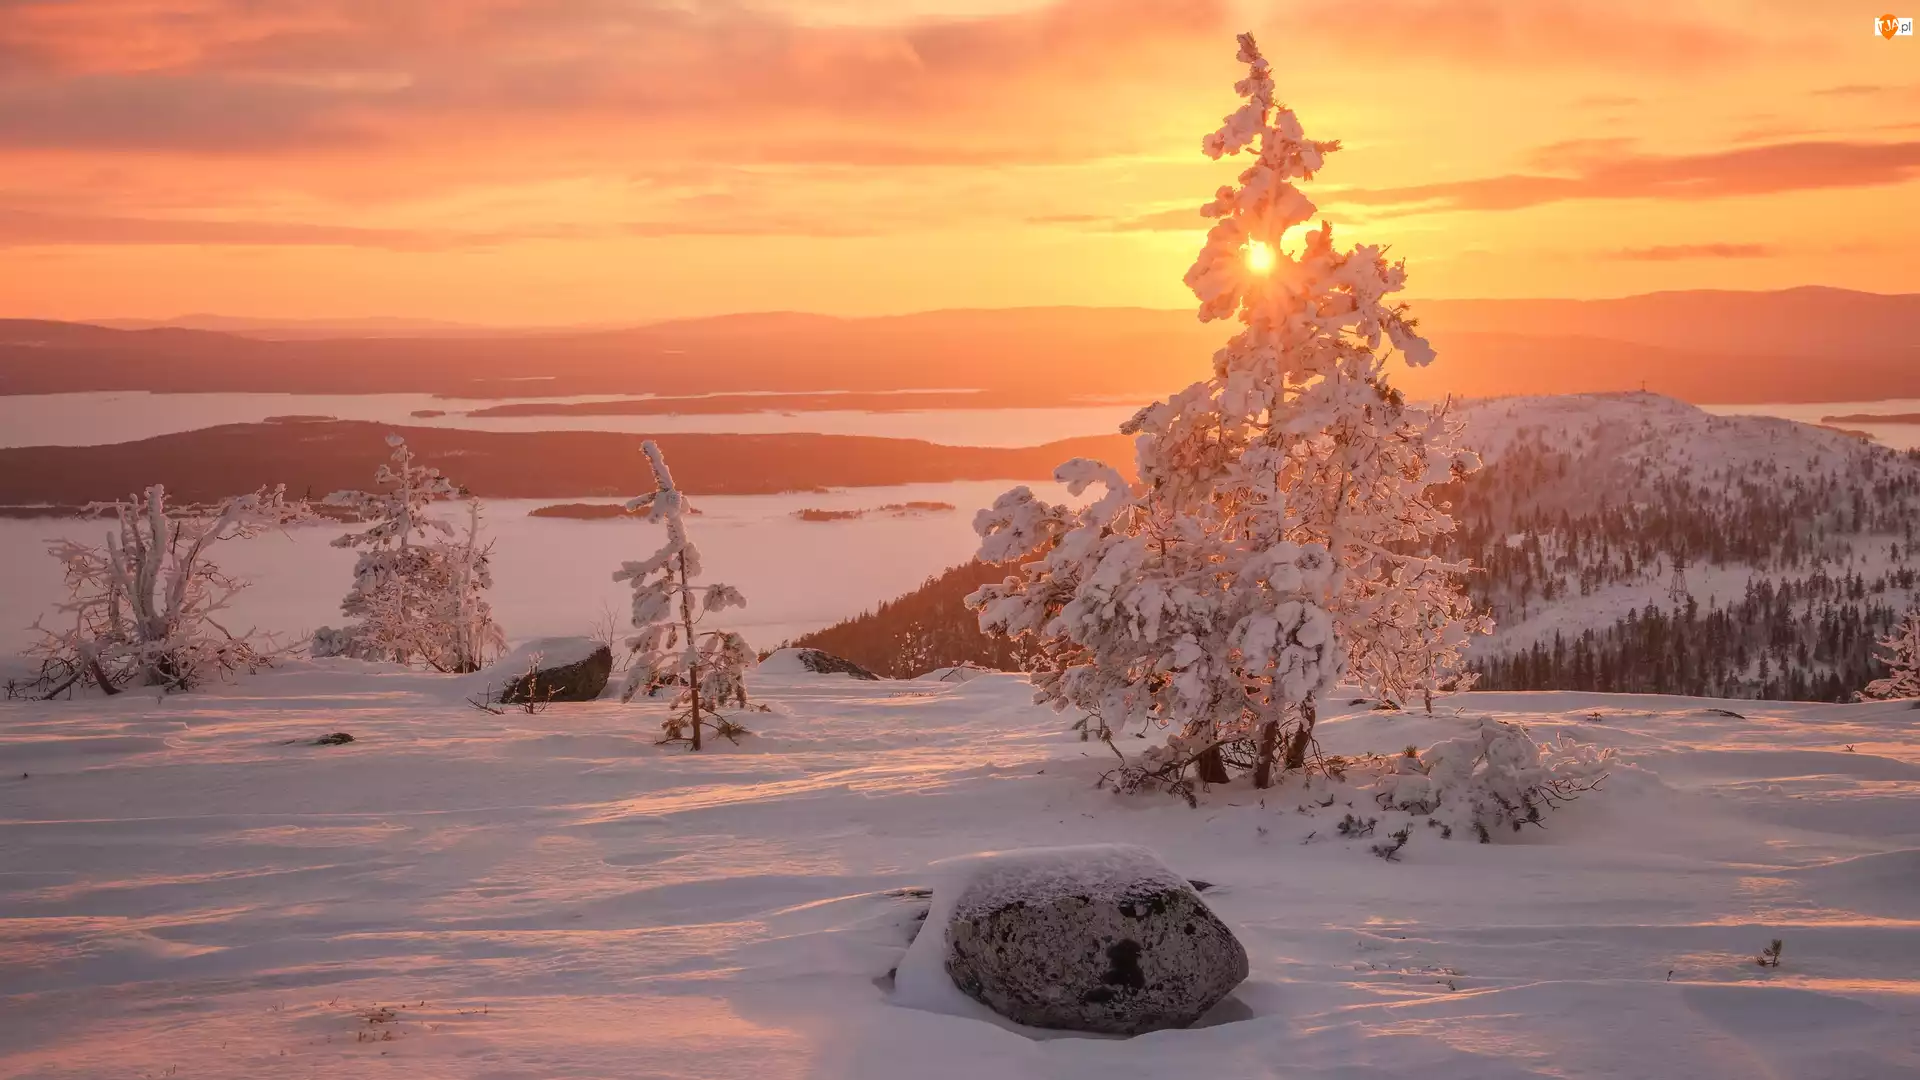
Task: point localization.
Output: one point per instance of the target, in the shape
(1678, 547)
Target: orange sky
(568, 161)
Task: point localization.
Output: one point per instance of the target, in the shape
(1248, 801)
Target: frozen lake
(1898, 436)
(555, 576)
(91, 419)
(123, 416)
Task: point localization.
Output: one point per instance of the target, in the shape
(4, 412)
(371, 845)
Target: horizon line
(430, 323)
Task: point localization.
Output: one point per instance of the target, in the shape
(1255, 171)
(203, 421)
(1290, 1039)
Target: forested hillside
(1627, 543)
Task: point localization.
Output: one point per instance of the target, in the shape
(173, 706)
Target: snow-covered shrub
(1493, 776)
(669, 650)
(1279, 538)
(330, 641)
(419, 589)
(1903, 659)
(145, 608)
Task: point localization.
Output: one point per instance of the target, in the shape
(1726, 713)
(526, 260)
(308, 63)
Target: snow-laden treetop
(1280, 536)
(1315, 294)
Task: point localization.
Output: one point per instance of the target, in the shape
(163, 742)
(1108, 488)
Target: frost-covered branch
(1902, 659)
(142, 608)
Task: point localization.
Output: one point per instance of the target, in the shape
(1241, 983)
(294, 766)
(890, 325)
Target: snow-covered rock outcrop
(810, 662)
(554, 669)
(955, 673)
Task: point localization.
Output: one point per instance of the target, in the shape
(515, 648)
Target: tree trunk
(693, 669)
(1212, 767)
(1302, 737)
(693, 695)
(100, 676)
(1269, 745)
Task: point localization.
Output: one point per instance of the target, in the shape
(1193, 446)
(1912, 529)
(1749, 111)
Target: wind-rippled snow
(189, 889)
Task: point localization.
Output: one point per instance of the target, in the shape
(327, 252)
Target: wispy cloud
(1184, 219)
(1625, 35)
(1755, 170)
(238, 75)
(1677, 252)
(23, 228)
(1869, 90)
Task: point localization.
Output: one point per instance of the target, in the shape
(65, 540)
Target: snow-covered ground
(188, 889)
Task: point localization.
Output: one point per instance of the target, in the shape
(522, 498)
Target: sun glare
(1259, 257)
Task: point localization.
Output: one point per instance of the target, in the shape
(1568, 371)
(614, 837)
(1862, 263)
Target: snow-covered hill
(192, 890)
(1639, 435)
(1798, 544)
(1633, 537)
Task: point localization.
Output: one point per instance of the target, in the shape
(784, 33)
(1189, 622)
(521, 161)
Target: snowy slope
(1799, 544)
(1590, 505)
(1670, 436)
(190, 891)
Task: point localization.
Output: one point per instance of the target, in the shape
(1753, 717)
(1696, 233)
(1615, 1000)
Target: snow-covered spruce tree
(1903, 660)
(1278, 538)
(418, 592)
(708, 666)
(145, 608)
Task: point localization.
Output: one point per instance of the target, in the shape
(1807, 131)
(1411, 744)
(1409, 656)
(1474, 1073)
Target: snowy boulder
(811, 661)
(1101, 938)
(555, 669)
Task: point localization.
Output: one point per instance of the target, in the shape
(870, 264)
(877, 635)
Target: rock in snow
(957, 673)
(562, 669)
(1099, 938)
(799, 661)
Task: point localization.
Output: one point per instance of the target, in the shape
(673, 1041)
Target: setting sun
(1259, 257)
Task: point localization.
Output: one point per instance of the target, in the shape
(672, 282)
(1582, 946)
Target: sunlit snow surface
(187, 889)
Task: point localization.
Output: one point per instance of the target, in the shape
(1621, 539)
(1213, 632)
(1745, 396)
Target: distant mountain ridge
(1811, 344)
(244, 326)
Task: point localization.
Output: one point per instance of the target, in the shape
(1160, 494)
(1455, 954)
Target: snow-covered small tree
(1492, 777)
(145, 608)
(1902, 659)
(467, 635)
(1280, 535)
(419, 588)
(709, 666)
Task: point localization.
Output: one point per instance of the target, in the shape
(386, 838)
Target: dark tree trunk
(693, 669)
(1302, 737)
(1269, 745)
(1211, 766)
(100, 677)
